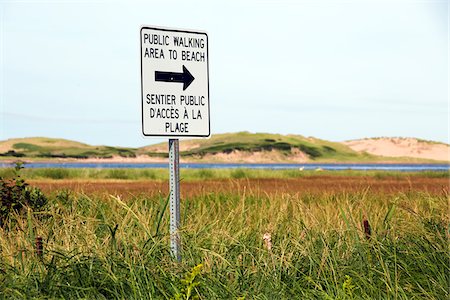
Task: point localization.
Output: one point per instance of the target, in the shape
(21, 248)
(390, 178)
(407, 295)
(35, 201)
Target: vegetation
(15, 195)
(236, 245)
(283, 148)
(60, 148)
(202, 174)
(256, 142)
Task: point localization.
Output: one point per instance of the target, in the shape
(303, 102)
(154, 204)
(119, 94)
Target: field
(245, 235)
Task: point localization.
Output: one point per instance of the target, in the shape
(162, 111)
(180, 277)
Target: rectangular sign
(174, 83)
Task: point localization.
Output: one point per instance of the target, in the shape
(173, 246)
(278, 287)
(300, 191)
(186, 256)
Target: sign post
(174, 180)
(174, 99)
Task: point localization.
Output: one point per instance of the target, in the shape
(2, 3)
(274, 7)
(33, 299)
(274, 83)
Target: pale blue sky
(334, 70)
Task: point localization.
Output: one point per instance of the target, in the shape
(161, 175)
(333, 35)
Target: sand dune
(241, 147)
(402, 147)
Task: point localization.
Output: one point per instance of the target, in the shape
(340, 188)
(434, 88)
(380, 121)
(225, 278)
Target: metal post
(174, 173)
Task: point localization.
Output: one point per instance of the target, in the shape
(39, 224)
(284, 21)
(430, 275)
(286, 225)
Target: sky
(335, 70)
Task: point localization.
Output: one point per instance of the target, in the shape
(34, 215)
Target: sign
(174, 83)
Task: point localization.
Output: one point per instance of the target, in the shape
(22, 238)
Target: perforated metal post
(174, 173)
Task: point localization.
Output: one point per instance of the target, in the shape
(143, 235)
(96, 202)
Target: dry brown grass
(292, 186)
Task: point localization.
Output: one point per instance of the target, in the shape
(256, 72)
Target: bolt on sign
(174, 83)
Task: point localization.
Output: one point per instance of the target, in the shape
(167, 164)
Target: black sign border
(142, 83)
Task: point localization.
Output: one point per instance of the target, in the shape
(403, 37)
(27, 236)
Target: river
(333, 167)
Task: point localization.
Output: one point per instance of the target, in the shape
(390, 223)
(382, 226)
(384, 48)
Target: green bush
(16, 194)
(12, 153)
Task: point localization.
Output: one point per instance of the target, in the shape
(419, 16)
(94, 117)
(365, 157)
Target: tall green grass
(106, 248)
(88, 173)
(199, 174)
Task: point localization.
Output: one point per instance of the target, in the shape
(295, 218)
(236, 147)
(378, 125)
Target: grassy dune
(48, 148)
(107, 247)
(256, 142)
(229, 147)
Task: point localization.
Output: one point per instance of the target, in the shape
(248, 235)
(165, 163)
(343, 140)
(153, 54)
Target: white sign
(174, 83)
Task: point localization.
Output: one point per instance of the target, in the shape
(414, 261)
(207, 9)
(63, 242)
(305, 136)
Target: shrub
(313, 152)
(12, 153)
(16, 194)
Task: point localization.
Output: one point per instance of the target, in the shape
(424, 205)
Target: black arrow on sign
(186, 77)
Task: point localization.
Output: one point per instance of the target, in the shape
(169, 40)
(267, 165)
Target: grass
(198, 174)
(88, 173)
(315, 149)
(49, 148)
(106, 247)
(273, 147)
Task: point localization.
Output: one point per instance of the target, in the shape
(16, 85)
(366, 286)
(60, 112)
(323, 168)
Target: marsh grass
(88, 173)
(198, 174)
(105, 247)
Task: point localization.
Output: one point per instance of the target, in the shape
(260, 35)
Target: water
(333, 167)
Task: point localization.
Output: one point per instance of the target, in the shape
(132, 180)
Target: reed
(201, 174)
(108, 247)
